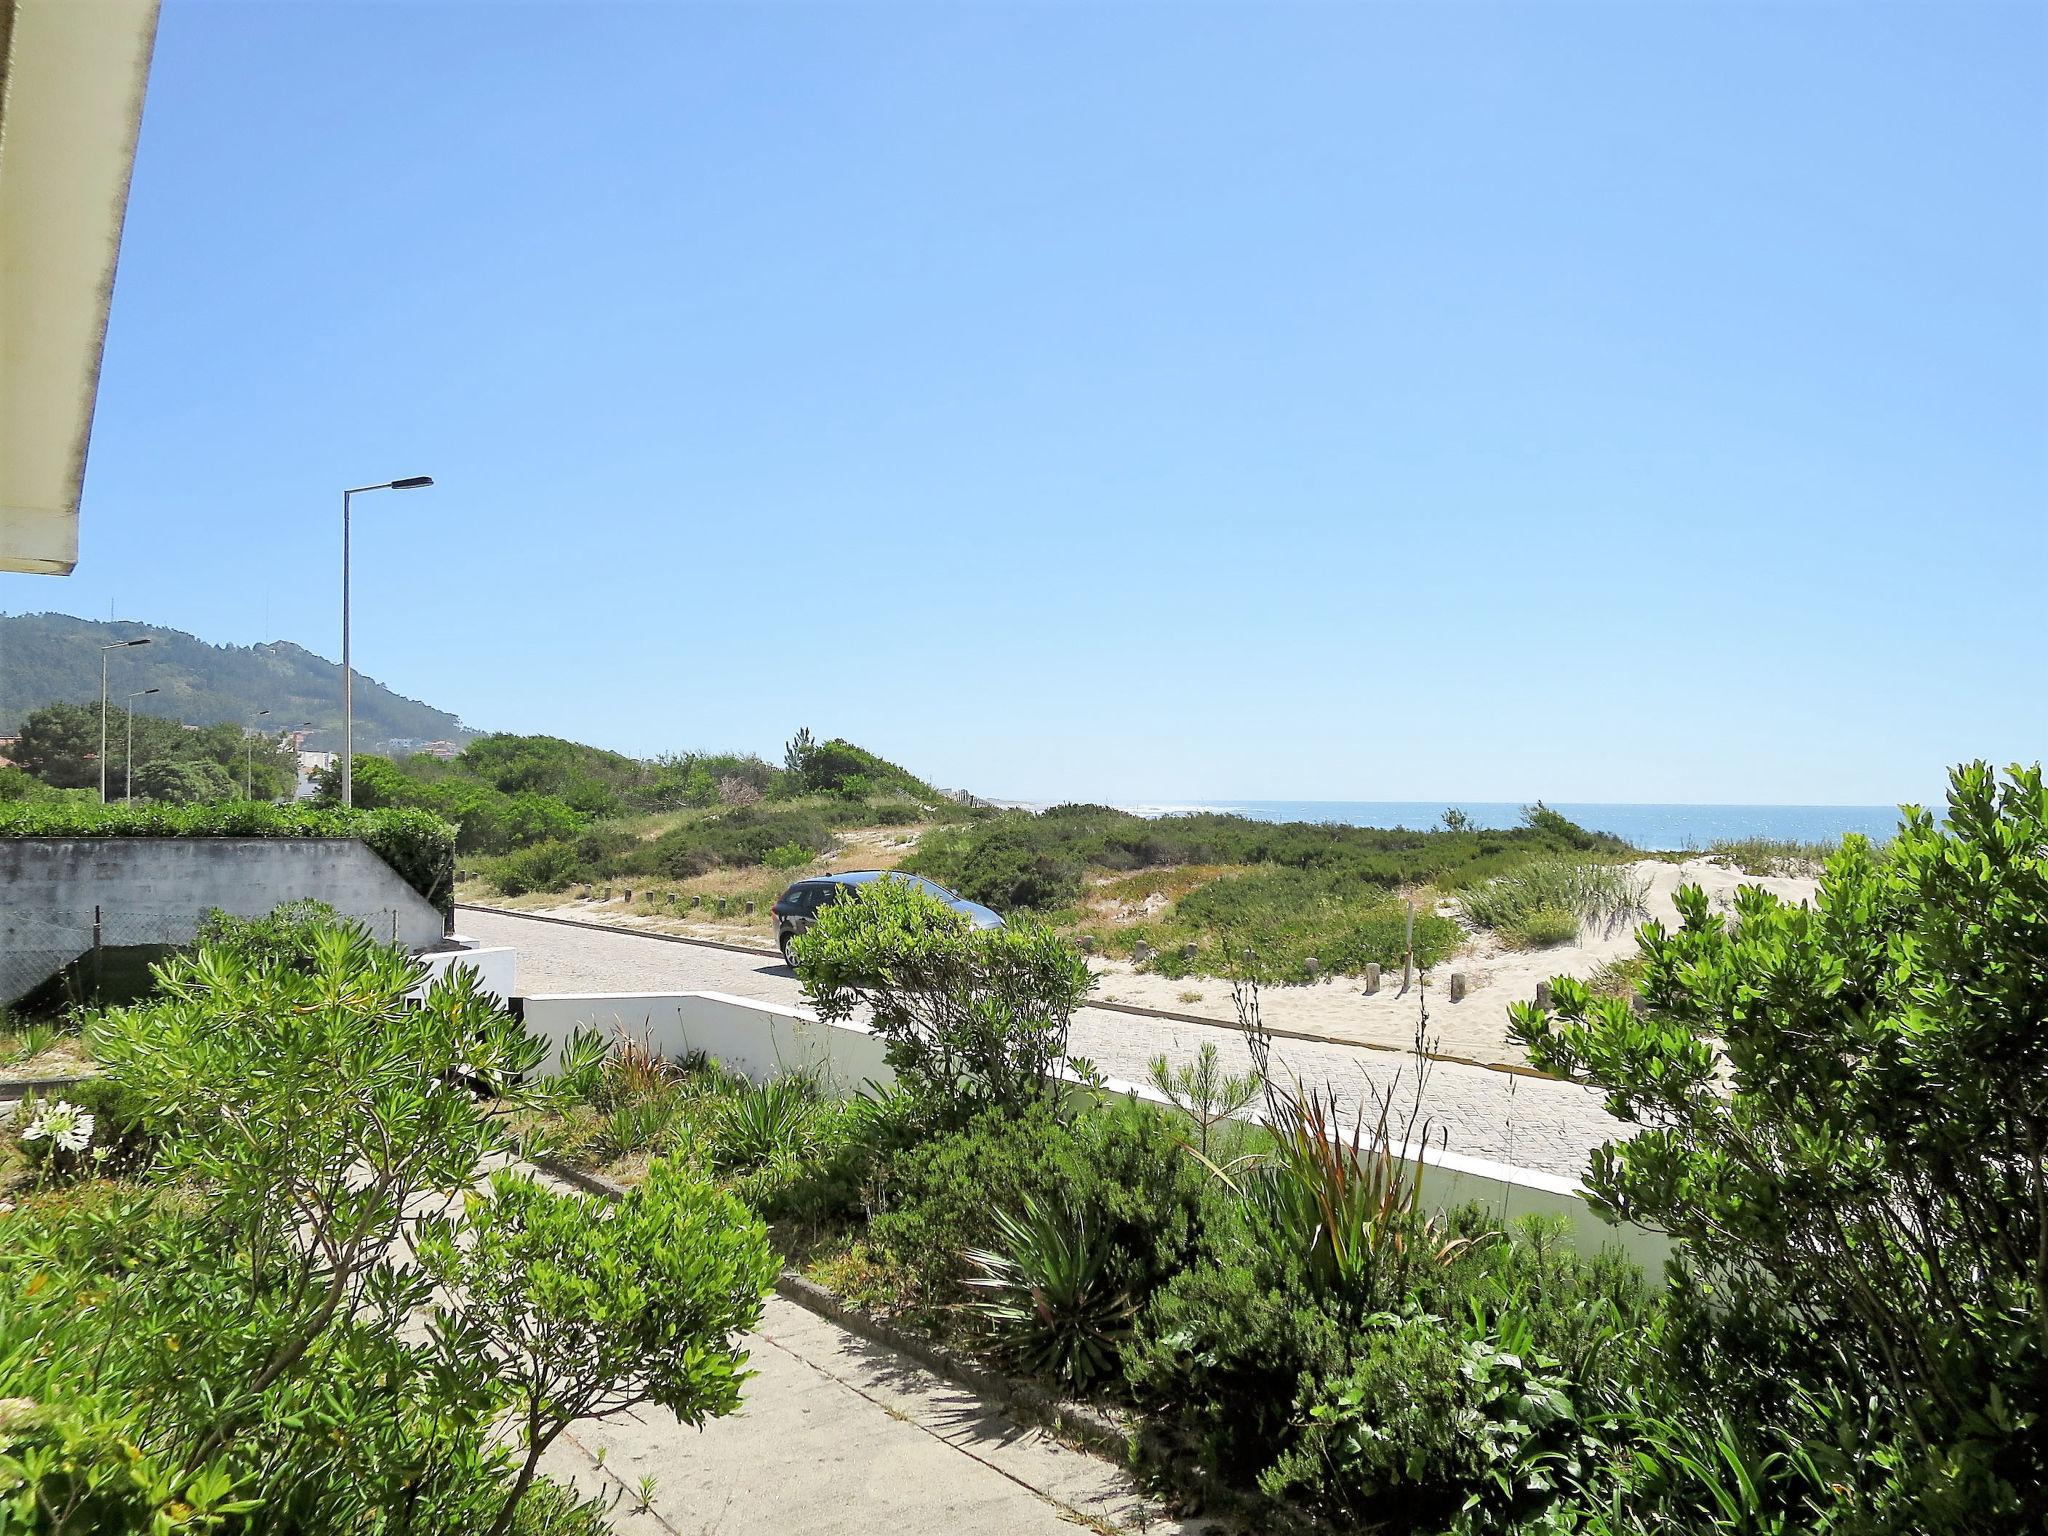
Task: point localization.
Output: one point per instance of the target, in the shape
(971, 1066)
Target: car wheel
(787, 958)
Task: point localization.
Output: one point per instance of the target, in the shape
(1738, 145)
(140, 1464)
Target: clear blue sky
(1601, 402)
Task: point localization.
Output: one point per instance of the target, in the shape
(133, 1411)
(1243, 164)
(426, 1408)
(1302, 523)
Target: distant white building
(310, 763)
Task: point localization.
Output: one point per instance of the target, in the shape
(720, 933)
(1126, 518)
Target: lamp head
(412, 482)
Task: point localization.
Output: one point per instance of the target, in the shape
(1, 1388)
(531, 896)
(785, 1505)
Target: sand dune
(1476, 1028)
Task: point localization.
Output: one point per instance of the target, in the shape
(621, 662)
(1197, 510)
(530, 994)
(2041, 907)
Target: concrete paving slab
(839, 1435)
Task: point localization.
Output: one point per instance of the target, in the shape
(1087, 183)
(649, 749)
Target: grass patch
(1543, 928)
(1773, 856)
(1531, 906)
(1285, 917)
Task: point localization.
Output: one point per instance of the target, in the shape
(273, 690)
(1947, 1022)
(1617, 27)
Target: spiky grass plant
(1589, 891)
(1046, 1302)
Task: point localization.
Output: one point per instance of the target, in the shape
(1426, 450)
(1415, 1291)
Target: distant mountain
(54, 658)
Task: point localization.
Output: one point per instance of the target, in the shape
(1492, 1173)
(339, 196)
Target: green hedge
(418, 845)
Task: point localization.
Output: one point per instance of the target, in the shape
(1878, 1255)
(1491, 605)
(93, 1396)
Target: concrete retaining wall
(496, 969)
(765, 1040)
(154, 890)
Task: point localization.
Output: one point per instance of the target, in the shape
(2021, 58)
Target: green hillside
(54, 658)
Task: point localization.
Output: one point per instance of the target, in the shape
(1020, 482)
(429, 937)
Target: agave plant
(1047, 1303)
(773, 1123)
(639, 1125)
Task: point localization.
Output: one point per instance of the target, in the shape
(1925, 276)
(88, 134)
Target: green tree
(1844, 1112)
(60, 744)
(587, 1308)
(972, 1017)
(191, 782)
(796, 760)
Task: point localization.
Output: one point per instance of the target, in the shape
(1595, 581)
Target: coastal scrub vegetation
(1844, 1112)
(508, 792)
(1202, 894)
(1200, 891)
(1549, 900)
(1843, 1130)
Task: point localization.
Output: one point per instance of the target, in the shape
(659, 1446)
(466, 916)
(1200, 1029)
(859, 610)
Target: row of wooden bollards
(722, 905)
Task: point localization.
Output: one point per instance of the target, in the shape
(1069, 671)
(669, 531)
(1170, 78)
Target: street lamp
(348, 698)
(128, 759)
(248, 753)
(118, 645)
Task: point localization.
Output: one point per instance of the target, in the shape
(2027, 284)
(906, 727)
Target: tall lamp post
(118, 645)
(348, 697)
(249, 754)
(128, 758)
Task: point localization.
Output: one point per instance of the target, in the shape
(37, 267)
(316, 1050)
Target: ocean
(1652, 827)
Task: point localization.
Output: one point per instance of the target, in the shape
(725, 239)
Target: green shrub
(789, 856)
(1046, 1302)
(550, 866)
(1590, 891)
(289, 934)
(1844, 1108)
(1222, 1348)
(839, 767)
(759, 1126)
(741, 838)
(421, 848)
(1543, 928)
(1286, 916)
(969, 1017)
(588, 1308)
(1121, 1168)
(243, 1331)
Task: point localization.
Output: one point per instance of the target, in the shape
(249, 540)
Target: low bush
(1773, 856)
(1543, 928)
(1285, 917)
(1527, 901)
(1122, 1169)
(241, 1339)
(549, 866)
(1045, 1298)
(969, 1016)
(740, 838)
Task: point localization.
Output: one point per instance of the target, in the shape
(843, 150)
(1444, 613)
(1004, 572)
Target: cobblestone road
(1531, 1122)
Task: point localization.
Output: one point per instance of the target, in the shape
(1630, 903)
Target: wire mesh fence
(49, 960)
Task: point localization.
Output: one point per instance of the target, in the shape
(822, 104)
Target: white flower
(63, 1123)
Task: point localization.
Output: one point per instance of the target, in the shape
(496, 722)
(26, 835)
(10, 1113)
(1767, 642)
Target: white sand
(1338, 1008)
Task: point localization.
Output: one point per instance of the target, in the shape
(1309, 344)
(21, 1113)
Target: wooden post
(1408, 957)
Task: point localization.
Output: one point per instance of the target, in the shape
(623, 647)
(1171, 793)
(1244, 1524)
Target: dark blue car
(795, 907)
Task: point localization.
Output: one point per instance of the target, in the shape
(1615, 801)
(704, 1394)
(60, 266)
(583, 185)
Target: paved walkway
(839, 1435)
(1531, 1122)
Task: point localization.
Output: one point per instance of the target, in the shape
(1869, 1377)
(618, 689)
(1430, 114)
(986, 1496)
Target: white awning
(70, 105)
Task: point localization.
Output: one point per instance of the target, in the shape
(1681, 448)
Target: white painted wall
(764, 1040)
(496, 968)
